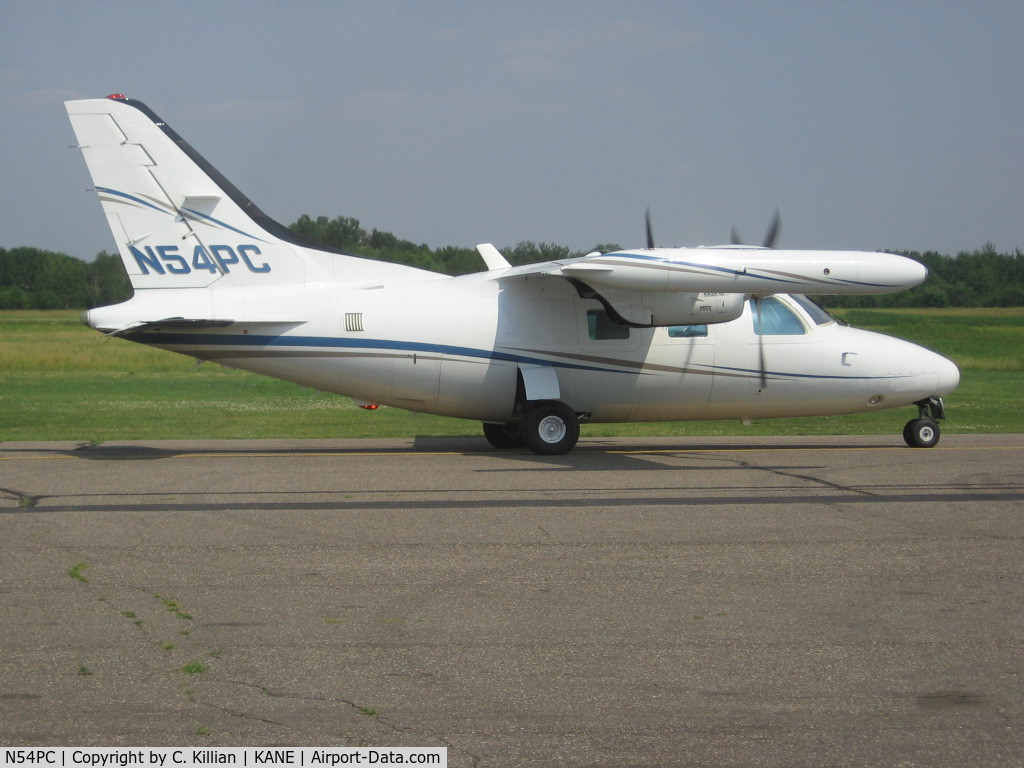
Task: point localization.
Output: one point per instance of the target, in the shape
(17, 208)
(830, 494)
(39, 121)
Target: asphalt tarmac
(833, 601)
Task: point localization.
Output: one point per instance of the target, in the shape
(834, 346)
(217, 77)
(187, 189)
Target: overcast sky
(869, 125)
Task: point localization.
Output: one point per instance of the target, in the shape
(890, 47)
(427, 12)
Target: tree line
(34, 279)
(31, 278)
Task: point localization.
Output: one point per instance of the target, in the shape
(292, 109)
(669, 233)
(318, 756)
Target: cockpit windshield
(818, 314)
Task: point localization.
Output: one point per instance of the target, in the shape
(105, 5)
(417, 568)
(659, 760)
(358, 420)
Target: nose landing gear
(923, 432)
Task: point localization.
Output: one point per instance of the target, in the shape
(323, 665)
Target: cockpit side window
(776, 319)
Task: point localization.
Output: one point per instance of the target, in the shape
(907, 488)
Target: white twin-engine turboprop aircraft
(646, 334)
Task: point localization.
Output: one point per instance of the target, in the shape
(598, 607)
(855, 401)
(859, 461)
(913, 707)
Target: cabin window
(687, 331)
(776, 318)
(601, 327)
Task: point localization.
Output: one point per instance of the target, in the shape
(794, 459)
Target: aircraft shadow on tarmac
(598, 447)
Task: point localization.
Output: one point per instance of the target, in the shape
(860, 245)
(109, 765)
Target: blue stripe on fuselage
(324, 342)
(207, 340)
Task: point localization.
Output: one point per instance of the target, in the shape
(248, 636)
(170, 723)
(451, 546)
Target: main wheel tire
(550, 428)
(503, 436)
(921, 433)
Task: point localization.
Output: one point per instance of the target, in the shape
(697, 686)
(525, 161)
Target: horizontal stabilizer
(175, 324)
(168, 324)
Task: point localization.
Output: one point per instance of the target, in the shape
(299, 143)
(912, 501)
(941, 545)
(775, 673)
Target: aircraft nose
(947, 375)
(921, 372)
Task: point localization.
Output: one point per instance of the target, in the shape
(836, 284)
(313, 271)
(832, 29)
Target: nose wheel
(923, 432)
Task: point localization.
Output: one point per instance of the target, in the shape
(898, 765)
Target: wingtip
(492, 257)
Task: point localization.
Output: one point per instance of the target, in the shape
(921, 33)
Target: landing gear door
(540, 382)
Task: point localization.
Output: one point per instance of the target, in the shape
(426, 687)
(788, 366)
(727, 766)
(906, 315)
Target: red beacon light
(118, 96)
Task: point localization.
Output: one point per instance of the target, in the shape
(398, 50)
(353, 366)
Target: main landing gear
(551, 428)
(548, 428)
(923, 432)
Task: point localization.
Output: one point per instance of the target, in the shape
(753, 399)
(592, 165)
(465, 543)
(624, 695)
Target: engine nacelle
(654, 309)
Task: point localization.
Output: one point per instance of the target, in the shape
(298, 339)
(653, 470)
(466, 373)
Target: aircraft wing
(680, 286)
(746, 269)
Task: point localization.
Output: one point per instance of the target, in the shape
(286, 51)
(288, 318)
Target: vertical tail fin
(179, 223)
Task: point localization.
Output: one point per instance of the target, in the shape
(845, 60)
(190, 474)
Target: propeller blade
(760, 341)
(650, 234)
(773, 230)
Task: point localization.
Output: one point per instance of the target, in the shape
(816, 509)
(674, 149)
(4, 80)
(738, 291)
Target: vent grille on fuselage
(353, 321)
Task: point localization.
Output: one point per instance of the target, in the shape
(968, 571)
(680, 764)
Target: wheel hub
(552, 429)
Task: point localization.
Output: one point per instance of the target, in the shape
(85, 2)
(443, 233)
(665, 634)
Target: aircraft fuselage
(457, 347)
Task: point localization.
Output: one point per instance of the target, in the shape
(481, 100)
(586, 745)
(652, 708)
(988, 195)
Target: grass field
(61, 381)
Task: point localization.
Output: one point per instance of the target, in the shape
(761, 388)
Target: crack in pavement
(361, 710)
(780, 472)
(24, 500)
